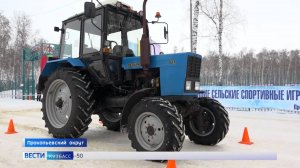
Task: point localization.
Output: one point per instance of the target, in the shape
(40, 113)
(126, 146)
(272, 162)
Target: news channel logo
(49, 155)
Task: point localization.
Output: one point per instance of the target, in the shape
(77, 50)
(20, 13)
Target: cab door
(91, 41)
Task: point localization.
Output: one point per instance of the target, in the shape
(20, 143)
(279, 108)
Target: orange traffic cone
(246, 139)
(171, 164)
(11, 128)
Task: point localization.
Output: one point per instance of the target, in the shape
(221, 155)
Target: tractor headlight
(197, 85)
(188, 85)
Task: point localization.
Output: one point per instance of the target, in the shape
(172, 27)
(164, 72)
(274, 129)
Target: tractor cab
(113, 30)
(101, 37)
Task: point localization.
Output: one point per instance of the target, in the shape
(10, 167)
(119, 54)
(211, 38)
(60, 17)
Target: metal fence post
(33, 82)
(23, 75)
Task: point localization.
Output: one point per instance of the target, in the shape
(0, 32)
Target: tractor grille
(193, 67)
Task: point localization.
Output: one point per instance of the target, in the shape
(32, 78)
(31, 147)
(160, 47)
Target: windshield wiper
(96, 25)
(93, 21)
(90, 40)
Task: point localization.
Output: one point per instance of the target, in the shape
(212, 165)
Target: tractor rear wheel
(155, 125)
(68, 103)
(208, 124)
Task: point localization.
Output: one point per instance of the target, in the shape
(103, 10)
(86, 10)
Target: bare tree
(15, 35)
(23, 30)
(5, 33)
(5, 36)
(267, 67)
(22, 27)
(220, 14)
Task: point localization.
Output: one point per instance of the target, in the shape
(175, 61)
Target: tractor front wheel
(208, 124)
(155, 125)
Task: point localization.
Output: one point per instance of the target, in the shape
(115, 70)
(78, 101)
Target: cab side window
(71, 39)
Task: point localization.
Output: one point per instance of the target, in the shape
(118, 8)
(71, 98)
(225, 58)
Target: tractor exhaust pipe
(145, 42)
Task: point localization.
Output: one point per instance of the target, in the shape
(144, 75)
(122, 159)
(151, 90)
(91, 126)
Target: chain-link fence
(10, 89)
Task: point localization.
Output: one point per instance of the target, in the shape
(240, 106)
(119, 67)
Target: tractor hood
(174, 70)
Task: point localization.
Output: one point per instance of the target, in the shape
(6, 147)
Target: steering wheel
(110, 42)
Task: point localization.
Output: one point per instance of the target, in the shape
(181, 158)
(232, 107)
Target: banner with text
(277, 97)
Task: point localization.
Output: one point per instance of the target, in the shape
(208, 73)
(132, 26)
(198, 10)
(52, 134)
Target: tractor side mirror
(166, 33)
(158, 32)
(56, 29)
(89, 10)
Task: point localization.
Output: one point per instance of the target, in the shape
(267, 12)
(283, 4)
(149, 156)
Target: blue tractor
(152, 97)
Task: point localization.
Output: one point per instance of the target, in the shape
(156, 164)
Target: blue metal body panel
(51, 66)
(172, 68)
(172, 71)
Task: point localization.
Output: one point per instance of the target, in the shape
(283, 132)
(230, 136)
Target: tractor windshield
(92, 35)
(124, 31)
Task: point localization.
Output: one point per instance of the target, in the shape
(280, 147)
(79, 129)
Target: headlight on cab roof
(188, 85)
(197, 86)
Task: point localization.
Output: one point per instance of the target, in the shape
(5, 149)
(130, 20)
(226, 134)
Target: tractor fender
(53, 65)
(133, 100)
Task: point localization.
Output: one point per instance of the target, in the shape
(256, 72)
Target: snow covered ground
(270, 132)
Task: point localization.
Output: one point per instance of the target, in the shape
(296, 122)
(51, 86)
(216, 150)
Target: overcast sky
(271, 24)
